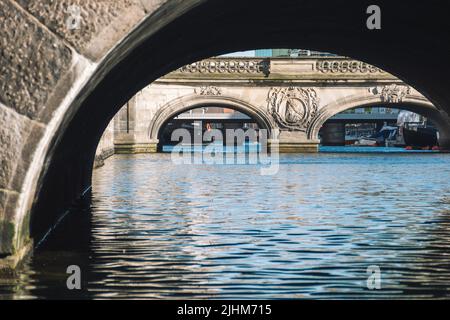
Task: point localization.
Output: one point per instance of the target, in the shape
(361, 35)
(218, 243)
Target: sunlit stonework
(346, 66)
(293, 107)
(208, 91)
(394, 93)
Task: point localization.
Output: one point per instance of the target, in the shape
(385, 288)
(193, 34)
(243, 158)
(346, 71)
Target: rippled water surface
(156, 230)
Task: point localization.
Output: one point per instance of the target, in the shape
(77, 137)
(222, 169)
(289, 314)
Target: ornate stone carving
(208, 91)
(345, 66)
(292, 107)
(245, 66)
(394, 93)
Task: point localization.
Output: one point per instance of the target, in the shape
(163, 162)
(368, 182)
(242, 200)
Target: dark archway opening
(200, 120)
(379, 126)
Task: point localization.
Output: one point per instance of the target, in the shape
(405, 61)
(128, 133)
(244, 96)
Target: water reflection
(156, 230)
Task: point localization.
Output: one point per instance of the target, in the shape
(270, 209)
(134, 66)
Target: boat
(379, 139)
(351, 139)
(416, 131)
(419, 135)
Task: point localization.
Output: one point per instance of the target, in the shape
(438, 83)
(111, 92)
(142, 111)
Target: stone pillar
(293, 108)
(105, 147)
(295, 142)
(133, 148)
(129, 138)
(124, 123)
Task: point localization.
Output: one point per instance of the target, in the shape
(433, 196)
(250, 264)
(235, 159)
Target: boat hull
(422, 137)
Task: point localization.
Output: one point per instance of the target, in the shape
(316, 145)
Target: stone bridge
(291, 98)
(68, 66)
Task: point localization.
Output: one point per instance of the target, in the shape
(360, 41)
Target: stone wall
(105, 147)
(45, 62)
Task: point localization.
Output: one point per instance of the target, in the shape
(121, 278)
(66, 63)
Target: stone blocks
(92, 27)
(32, 60)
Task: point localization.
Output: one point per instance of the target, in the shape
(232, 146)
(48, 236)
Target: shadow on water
(44, 273)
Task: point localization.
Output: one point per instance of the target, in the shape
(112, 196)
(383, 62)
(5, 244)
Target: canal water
(157, 230)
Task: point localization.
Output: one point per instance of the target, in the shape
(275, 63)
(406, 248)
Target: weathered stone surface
(91, 26)
(13, 131)
(34, 133)
(8, 200)
(151, 5)
(3, 198)
(31, 61)
(105, 148)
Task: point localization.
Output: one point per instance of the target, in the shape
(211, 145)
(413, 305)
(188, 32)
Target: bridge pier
(298, 147)
(135, 148)
(284, 146)
(295, 142)
(10, 262)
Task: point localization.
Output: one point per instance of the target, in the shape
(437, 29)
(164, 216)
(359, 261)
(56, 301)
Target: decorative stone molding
(241, 66)
(346, 66)
(293, 108)
(392, 93)
(208, 91)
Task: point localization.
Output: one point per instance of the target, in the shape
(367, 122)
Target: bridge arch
(55, 107)
(185, 103)
(414, 103)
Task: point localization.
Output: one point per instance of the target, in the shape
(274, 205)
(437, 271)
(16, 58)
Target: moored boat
(387, 133)
(419, 135)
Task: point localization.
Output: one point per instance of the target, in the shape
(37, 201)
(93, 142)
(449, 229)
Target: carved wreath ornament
(293, 108)
(394, 93)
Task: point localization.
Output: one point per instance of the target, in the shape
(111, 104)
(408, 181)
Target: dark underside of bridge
(412, 44)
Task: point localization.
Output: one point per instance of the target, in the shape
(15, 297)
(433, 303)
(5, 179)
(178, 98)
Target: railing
(226, 65)
(264, 67)
(345, 66)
